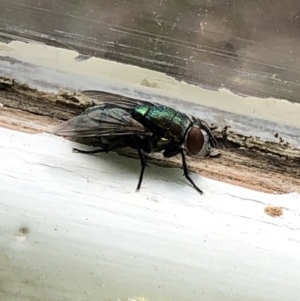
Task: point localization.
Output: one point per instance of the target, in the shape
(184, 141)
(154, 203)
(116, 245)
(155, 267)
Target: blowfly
(145, 126)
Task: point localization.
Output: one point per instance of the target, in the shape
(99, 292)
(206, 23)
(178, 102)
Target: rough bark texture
(245, 161)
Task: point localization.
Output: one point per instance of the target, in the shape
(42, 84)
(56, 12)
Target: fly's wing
(103, 97)
(101, 120)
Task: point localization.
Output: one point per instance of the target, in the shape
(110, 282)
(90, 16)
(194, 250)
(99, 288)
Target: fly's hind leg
(101, 150)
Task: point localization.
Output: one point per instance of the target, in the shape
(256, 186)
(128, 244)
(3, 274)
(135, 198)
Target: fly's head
(199, 139)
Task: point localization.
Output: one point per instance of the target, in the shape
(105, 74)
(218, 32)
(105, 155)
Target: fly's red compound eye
(194, 141)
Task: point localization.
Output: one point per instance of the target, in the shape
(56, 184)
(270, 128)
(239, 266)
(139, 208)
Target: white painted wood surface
(72, 227)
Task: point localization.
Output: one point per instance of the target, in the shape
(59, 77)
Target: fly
(145, 126)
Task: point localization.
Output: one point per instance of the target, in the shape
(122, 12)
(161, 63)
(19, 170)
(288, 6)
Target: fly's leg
(186, 172)
(143, 163)
(101, 150)
(215, 155)
(173, 152)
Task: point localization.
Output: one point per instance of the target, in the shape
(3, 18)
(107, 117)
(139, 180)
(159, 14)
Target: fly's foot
(194, 185)
(199, 190)
(218, 155)
(101, 150)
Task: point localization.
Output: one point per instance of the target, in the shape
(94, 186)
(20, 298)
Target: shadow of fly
(145, 126)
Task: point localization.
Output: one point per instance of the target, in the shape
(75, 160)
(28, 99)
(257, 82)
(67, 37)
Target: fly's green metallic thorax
(168, 126)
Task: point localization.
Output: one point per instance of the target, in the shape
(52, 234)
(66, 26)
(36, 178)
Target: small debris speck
(274, 211)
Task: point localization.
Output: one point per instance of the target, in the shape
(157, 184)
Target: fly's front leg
(186, 172)
(215, 155)
(173, 152)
